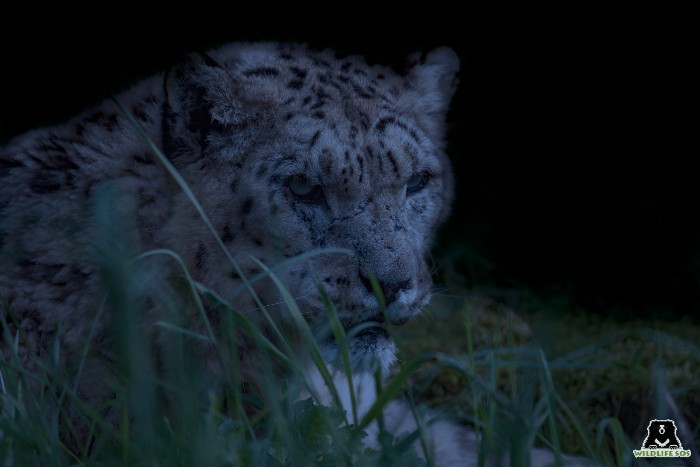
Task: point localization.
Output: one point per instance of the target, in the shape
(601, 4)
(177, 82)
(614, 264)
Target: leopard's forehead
(342, 119)
(311, 78)
(348, 155)
(355, 129)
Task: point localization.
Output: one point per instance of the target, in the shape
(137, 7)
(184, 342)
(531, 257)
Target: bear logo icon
(661, 434)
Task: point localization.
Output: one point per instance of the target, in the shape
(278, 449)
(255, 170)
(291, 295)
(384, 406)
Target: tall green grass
(508, 393)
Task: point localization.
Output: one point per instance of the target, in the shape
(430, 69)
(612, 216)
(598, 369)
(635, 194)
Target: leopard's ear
(202, 99)
(433, 80)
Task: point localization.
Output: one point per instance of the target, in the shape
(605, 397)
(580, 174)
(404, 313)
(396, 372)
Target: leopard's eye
(417, 182)
(302, 188)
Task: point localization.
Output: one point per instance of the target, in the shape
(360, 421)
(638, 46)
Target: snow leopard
(284, 151)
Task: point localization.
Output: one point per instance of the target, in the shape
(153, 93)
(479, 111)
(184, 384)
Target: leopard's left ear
(434, 79)
(204, 107)
(203, 93)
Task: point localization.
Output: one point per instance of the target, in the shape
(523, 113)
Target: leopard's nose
(391, 291)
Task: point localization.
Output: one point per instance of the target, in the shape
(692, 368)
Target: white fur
(448, 444)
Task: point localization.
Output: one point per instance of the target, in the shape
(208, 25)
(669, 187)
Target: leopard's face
(337, 179)
(355, 207)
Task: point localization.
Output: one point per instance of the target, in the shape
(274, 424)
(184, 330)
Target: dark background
(573, 133)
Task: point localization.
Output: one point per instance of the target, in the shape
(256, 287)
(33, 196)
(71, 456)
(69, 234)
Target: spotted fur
(240, 124)
(289, 150)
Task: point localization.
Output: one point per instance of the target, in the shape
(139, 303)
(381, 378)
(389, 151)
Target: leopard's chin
(369, 350)
(373, 339)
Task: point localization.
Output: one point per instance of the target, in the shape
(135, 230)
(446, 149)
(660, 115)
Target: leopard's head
(334, 175)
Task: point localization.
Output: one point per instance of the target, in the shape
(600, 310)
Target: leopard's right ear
(432, 82)
(202, 99)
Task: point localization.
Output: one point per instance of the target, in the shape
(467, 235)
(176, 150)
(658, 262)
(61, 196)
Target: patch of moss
(600, 368)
